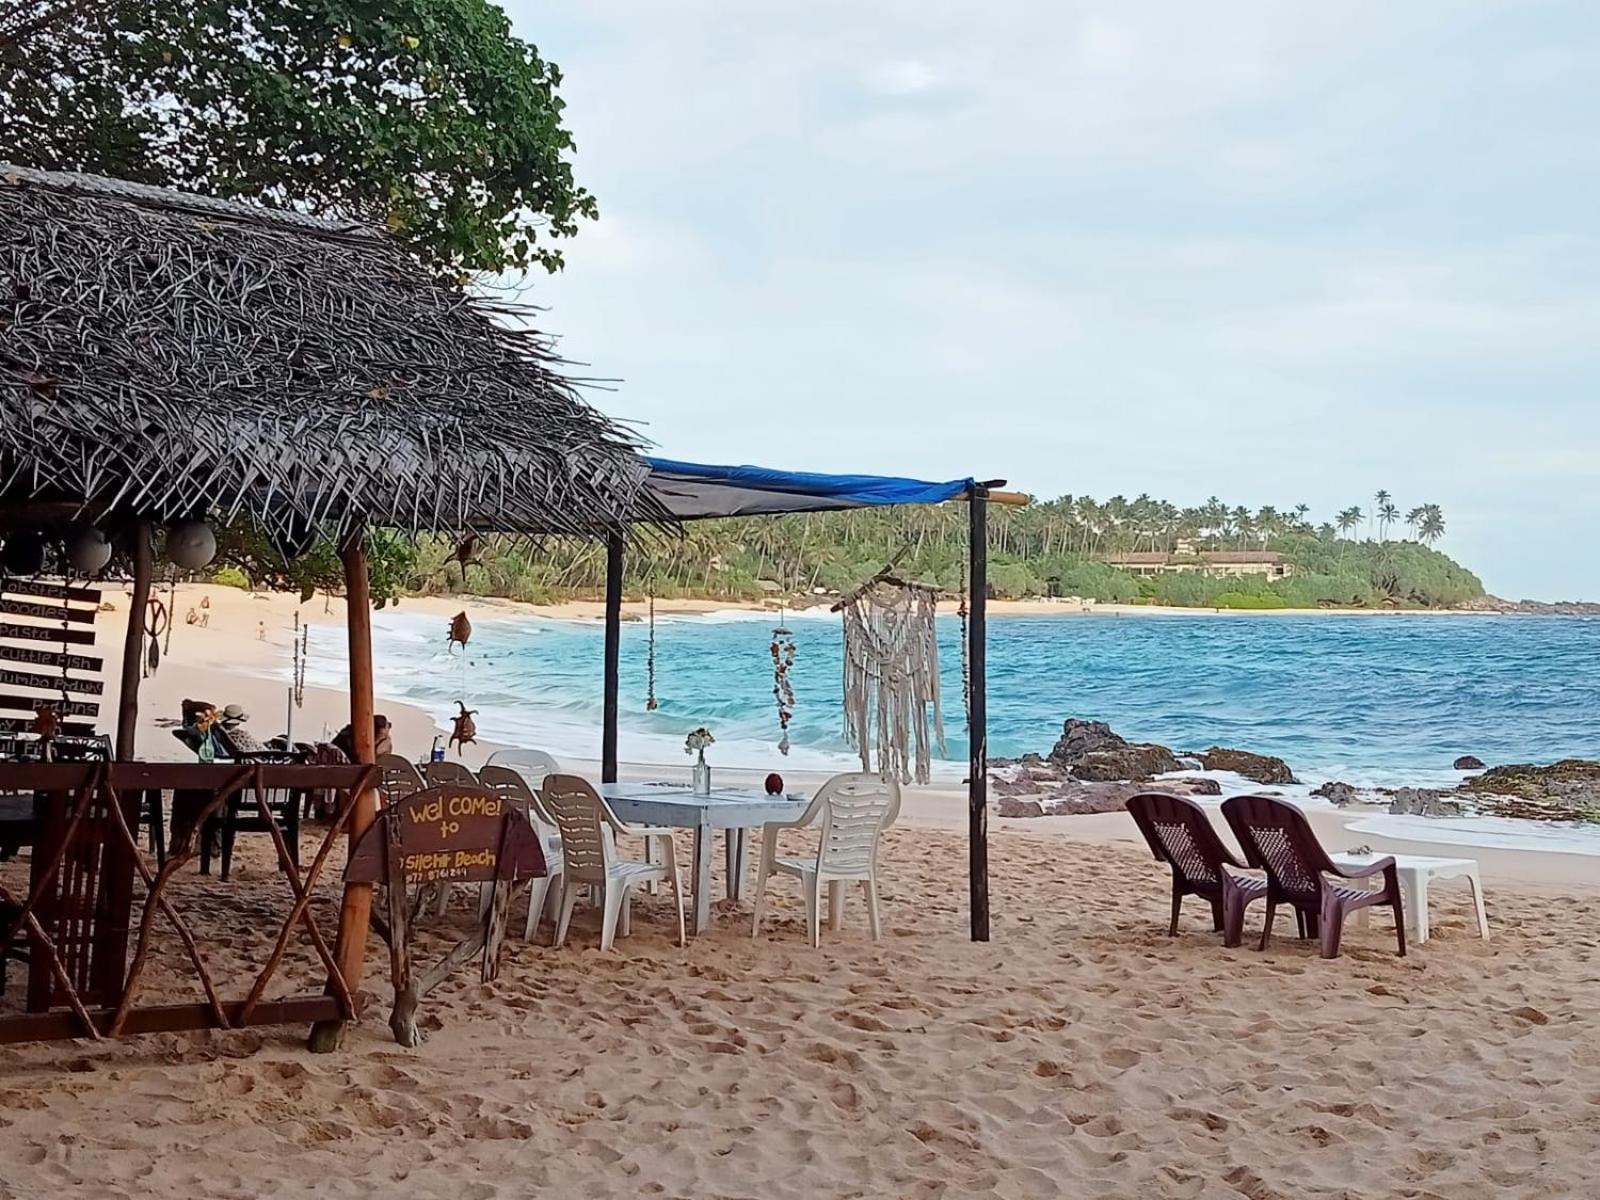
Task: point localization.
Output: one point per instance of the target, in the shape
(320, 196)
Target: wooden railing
(78, 914)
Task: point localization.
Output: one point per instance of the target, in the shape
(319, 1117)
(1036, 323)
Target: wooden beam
(133, 641)
(167, 1018)
(978, 720)
(613, 655)
(355, 913)
(1013, 499)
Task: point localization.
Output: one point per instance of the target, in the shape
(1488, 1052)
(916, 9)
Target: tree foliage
(1048, 547)
(424, 116)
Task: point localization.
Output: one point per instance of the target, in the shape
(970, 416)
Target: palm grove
(428, 117)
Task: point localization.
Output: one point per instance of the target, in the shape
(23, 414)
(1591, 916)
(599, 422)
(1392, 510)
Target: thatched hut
(167, 358)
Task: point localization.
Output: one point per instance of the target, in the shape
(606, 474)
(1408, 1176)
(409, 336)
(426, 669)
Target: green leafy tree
(423, 116)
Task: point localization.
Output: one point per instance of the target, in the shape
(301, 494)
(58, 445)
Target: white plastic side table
(1416, 872)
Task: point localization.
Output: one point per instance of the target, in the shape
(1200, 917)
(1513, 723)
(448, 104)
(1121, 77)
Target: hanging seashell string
(783, 652)
(966, 667)
(650, 663)
(302, 646)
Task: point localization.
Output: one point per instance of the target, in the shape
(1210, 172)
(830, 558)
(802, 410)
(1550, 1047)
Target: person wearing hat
(233, 719)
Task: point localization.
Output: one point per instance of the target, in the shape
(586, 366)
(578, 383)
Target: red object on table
(774, 784)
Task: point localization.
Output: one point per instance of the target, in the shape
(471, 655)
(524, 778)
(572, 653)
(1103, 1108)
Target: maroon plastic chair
(1181, 835)
(1278, 839)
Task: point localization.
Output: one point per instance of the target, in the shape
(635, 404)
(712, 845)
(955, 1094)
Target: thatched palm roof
(167, 355)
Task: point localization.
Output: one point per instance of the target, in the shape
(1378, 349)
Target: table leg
(702, 879)
(1414, 891)
(1477, 903)
(737, 855)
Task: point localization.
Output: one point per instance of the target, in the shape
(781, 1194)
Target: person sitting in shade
(383, 738)
(233, 724)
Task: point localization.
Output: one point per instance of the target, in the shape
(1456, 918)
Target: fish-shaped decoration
(463, 729)
(460, 631)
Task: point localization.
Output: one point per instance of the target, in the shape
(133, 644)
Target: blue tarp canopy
(690, 491)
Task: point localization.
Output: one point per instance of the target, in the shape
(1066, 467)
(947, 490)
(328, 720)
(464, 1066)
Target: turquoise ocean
(1368, 699)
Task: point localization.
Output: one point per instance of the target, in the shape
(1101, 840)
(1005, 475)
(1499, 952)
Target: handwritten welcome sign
(451, 834)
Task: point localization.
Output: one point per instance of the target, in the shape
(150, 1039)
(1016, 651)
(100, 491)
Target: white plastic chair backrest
(532, 765)
(855, 809)
(440, 774)
(510, 784)
(397, 777)
(580, 815)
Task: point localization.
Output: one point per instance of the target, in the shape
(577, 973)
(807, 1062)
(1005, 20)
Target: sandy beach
(1079, 1053)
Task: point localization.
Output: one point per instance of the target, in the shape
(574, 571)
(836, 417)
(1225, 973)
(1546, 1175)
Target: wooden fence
(78, 916)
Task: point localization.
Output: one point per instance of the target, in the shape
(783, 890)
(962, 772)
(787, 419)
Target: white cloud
(902, 77)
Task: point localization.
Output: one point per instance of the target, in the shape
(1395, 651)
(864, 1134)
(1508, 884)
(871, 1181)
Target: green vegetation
(423, 116)
(1048, 548)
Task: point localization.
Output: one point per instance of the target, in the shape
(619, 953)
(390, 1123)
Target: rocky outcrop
(1568, 790)
(1261, 768)
(1423, 802)
(1538, 608)
(1337, 794)
(1092, 751)
(1468, 762)
(1069, 797)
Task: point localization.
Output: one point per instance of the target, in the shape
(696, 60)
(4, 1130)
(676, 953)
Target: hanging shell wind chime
(783, 653)
(650, 704)
(460, 632)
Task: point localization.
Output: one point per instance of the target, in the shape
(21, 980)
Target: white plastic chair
(512, 784)
(853, 810)
(441, 773)
(589, 857)
(398, 777)
(532, 765)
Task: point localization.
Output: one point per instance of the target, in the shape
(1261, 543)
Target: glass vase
(702, 776)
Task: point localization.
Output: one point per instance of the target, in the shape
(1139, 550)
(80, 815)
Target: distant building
(1187, 560)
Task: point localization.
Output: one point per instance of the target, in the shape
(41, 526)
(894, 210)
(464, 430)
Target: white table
(1416, 872)
(729, 809)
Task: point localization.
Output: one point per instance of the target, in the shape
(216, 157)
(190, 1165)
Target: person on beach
(233, 724)
(383, 738)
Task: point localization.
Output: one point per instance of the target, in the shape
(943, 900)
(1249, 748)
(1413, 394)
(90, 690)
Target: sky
(1279, 253)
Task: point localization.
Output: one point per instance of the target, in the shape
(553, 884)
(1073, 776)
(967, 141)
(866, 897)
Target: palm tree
(1379, 499)
(1300, 511)
(1414, 518)
(1348, 519)
(1431, 527)
(1388, 514)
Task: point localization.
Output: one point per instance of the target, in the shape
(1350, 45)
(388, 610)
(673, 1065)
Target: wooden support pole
(355, 913)
(133, 642)
(978, 721)
(613, 654)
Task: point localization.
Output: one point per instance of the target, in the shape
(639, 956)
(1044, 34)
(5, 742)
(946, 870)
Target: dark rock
(1080, 738)
(1337, 793)
(1468, 762)
(1032, 760)
(1423, 802)
(1092, 751)
(1076, 797)
(1262, 768)
(1134, 760)
(1010, 806)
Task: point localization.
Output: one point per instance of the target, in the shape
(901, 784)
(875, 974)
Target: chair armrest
(1377, 867)
(811, 816)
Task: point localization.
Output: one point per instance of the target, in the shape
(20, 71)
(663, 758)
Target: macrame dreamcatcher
(650, 663)
(891, 676)
(783, 650)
